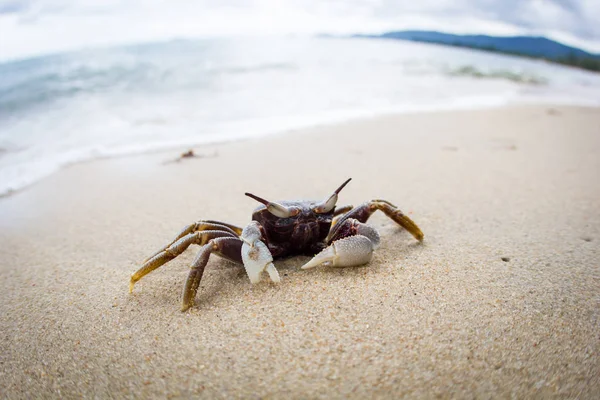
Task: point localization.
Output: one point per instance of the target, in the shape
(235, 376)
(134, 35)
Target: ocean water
(62, 109)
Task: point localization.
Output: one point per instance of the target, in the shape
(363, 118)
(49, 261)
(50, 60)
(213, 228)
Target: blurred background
(81, 80)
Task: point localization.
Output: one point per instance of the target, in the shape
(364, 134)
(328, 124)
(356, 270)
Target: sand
(445, 318)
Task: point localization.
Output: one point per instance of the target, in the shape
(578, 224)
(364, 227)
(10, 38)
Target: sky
(35, 27)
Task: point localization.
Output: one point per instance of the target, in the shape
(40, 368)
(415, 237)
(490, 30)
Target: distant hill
(529, 46)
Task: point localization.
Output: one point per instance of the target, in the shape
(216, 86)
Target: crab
(339, 236)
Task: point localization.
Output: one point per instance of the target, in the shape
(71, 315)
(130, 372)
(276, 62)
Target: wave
(250, 69)
(45, 81)
(509, 75)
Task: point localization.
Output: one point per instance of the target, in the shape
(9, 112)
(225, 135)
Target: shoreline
(324, 122)
(500, 300)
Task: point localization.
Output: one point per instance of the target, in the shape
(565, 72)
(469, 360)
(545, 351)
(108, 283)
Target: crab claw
(256, 255)
(347, 252)
(257, 259)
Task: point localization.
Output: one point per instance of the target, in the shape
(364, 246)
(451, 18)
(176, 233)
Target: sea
(61, 109)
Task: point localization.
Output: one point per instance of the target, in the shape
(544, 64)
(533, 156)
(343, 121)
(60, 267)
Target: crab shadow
(224, 279)
(233, 281)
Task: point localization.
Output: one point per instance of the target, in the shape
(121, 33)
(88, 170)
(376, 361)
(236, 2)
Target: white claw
(257, 259)
(251, 233)
(273, 274)
(347, 252)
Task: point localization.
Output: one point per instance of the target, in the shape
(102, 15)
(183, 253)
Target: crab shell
(303, 233)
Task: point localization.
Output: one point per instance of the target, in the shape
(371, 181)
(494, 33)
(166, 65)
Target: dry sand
(446, 318)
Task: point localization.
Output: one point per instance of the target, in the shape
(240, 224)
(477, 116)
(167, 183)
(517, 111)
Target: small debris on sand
(188, 154)
(191, 154)
(450, 148)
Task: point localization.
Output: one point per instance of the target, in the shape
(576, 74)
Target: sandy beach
(502, 299)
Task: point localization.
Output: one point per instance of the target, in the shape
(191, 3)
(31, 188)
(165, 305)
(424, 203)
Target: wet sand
(502, 298)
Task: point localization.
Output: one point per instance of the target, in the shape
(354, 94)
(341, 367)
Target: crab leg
(227, 247)
(339, 213)
(203, 225)
(236, 229)
(173, 250)
(365, 210)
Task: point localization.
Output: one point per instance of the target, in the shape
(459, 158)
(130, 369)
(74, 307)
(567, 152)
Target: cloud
(29, 27)
(13, 6)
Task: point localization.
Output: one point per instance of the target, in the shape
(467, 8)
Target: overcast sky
(31, 27)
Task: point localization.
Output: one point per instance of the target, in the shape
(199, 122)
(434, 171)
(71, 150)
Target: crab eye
(276, 209)
(329, 204)
(281, 211)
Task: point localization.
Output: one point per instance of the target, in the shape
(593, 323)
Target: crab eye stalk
(276, 209)
(329, 204)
